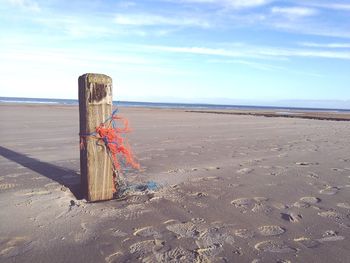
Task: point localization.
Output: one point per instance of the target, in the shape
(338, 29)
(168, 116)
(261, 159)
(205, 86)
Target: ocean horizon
(23, 100)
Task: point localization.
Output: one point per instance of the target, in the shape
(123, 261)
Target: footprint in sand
(291, 217)
(212, 168)
(15, 175)
(331, 236)
(338, 170)
(178, 170)
(198, 194)
(53, 185)
(274, 246)
(255, 204)
(330, 214)
(331, 239)
(310, 200)
(141, 249)
(131, 212)
(37, 192)
(214, 237)
(307, 242)
(209, 251)
(7, 186)
(147, 231)
(177, 254)
(243, 202)
(139, 198)
(244, 233)
(85, 235)
(205, 179)
(171, 221)
(313, 175)
(198, 220)
(245, 171)
(329, 190)
(344, 205)
(271, 230)
(261, 208)
(307, 201)
(118, 233)
(276, 149)
(279, 206)
(211, 242)
(234, 185)
(12, 247)
(188, 230)
(113, 258)
(306, 163)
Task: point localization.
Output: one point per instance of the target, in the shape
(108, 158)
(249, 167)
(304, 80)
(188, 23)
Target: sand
(233, 189)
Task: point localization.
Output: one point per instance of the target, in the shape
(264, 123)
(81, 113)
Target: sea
(189, 106)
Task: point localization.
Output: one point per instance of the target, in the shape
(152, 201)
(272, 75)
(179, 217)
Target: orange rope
(116, 146)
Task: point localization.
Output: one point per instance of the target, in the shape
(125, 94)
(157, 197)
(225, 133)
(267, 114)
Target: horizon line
(215, 104)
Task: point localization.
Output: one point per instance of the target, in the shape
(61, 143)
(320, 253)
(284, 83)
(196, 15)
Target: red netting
(115, 143)
(117, 147)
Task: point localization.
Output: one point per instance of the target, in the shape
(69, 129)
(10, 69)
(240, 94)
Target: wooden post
(95, 106)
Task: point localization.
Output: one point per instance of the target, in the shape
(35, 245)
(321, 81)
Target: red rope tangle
(116, 146)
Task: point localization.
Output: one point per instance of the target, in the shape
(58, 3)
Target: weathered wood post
(95, 106)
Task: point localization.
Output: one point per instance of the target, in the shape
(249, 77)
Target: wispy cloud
(266, 67)
(317, 28)
(232, 3)
(306, 53)
(126, 4)
(294, 12)
(255, 65)
(158, 20)
(203, 51)
(74, 26)
(83, 58)
(335, 6)
(325, 45)
(29, 5)
(254, 52)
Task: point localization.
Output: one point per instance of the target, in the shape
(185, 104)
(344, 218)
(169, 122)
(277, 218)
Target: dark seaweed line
(270, 115)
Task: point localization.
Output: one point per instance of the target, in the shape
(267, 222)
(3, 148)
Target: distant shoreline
(189, 106)
(313, 114)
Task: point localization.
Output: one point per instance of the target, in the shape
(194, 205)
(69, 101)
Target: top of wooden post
(96, 83)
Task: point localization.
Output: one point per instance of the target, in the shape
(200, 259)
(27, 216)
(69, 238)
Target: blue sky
(178, 50)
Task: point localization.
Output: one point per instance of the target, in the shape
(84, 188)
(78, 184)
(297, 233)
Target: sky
(223, 51)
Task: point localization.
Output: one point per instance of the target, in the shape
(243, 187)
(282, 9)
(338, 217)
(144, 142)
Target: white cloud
(255, 65)
(325, 45)
(74, 26)
(306, 53)
(126, 4)
(294, 12)
(311, 28)
(247, 3)
(157, 20)
(233, 3)
(254, 52)
(335, 6)
(203, 51)
(29, 5)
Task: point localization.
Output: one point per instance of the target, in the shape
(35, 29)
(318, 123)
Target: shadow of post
(48, 170)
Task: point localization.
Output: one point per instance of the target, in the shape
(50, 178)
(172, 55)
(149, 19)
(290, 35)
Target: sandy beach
(233, 188)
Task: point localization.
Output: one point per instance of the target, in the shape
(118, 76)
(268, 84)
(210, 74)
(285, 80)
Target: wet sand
(235, 188)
